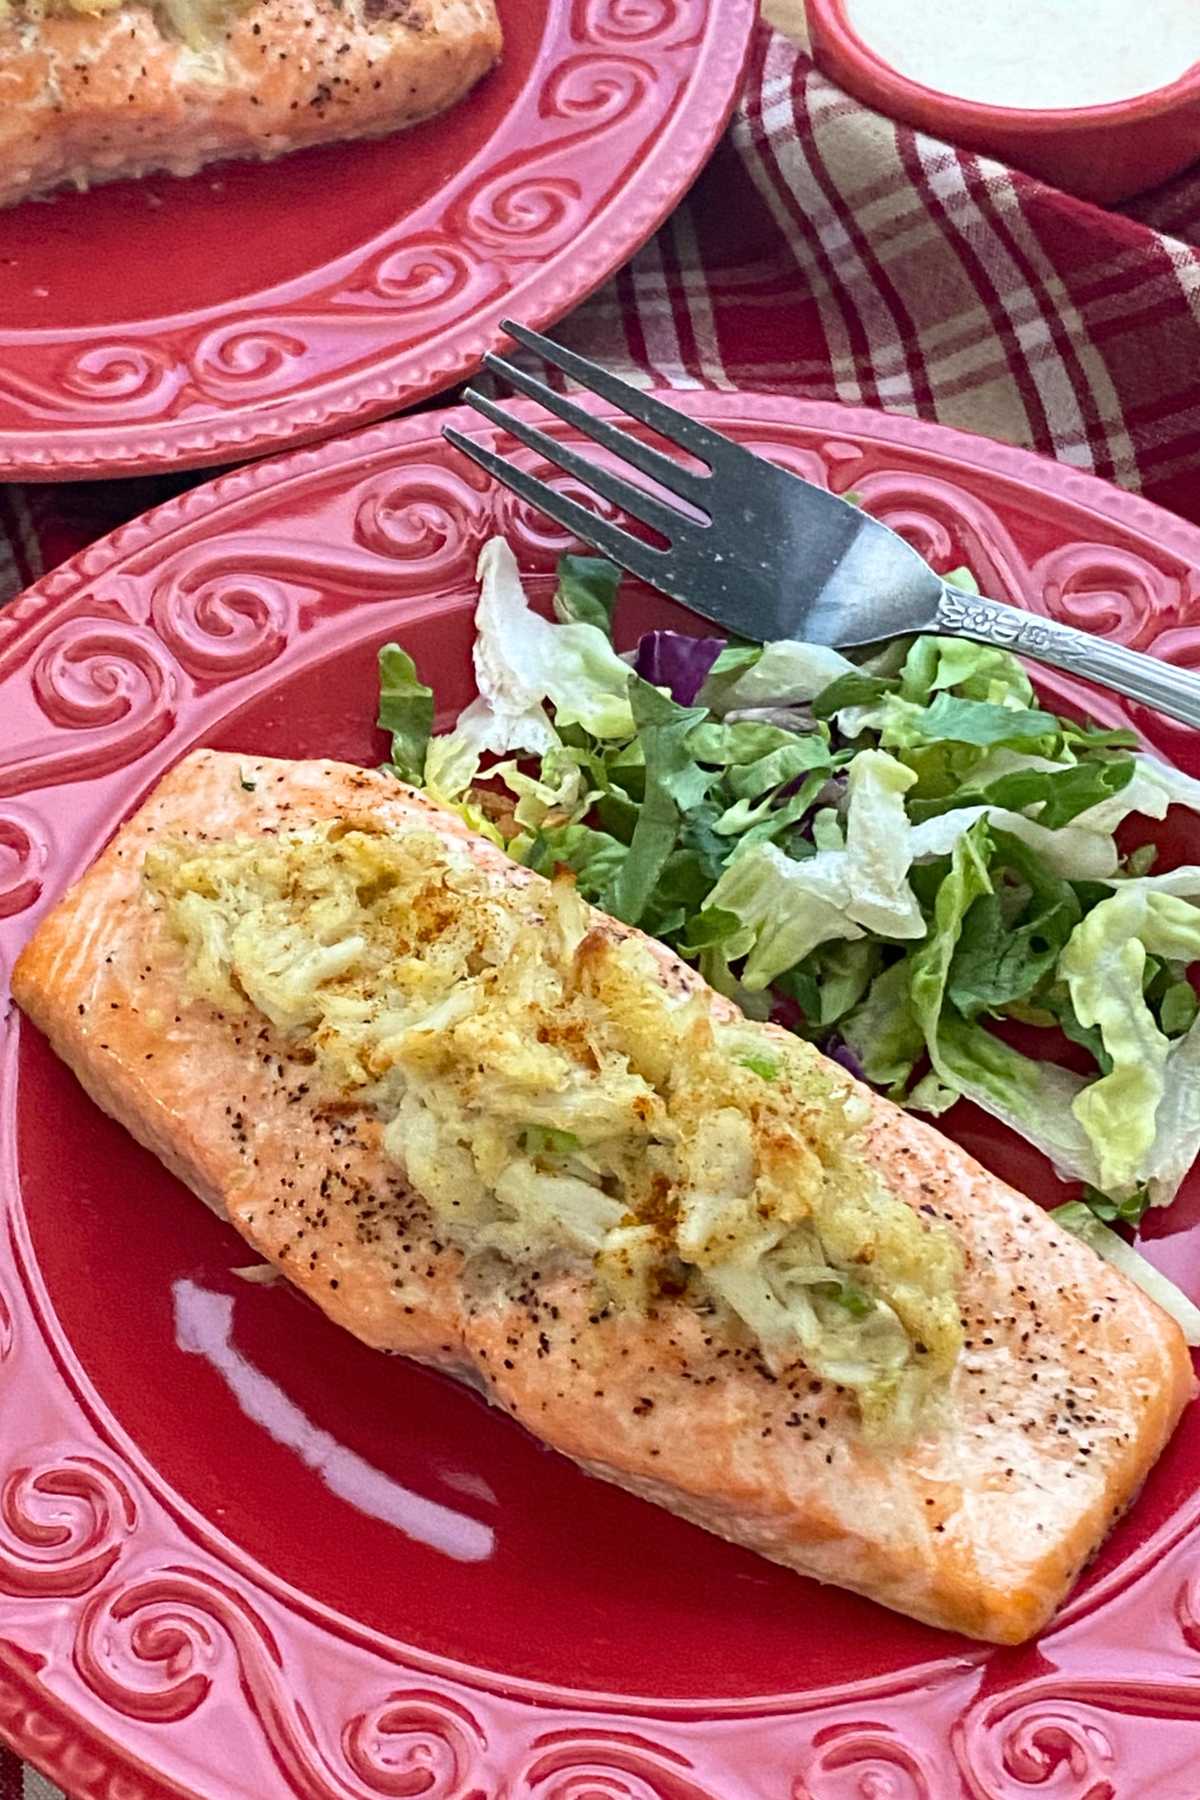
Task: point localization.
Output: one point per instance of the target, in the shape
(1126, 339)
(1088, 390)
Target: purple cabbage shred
(677, 662)
(839, 1051)
(786, 1012)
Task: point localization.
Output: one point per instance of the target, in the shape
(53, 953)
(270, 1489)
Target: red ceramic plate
(177, 323)
(243, 1557)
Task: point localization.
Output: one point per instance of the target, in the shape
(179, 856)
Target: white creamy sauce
(1034, 53)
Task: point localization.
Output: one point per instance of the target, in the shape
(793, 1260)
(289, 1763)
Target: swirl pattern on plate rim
(656, 77)
(154, 1632)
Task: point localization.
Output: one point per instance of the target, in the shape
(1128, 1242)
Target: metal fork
(762, 551)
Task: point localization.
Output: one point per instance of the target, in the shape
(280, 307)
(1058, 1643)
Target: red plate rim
(946, 443)
(232, 352)
(60, 1738)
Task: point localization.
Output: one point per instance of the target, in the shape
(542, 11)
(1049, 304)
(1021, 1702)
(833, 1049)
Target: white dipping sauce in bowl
(1033, 54)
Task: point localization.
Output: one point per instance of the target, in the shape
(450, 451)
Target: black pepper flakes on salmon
(629, 1395)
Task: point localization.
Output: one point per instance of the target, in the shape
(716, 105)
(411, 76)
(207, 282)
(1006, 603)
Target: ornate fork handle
(1129, 672)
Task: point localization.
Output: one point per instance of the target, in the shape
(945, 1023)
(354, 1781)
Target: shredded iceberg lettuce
(903, 856)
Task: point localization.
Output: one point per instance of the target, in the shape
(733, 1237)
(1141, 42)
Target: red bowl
(1104, 153)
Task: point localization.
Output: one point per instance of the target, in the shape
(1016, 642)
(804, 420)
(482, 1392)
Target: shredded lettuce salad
(900, 858)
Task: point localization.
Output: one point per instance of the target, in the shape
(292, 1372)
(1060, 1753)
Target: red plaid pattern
(19, 1782)
(830, 254)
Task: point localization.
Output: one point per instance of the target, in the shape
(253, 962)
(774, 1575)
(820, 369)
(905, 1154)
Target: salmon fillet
(1069, 1385)
(93, 98)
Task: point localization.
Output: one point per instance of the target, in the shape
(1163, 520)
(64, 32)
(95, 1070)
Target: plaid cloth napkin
(19, 1782)
(828, 253)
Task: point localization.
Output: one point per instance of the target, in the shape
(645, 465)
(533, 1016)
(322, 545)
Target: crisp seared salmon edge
(104, 93)
(611, 1314)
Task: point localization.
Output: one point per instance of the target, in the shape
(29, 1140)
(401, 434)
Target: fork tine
(625, 494)
(641, 559)
(663, 469)
(675, 426)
